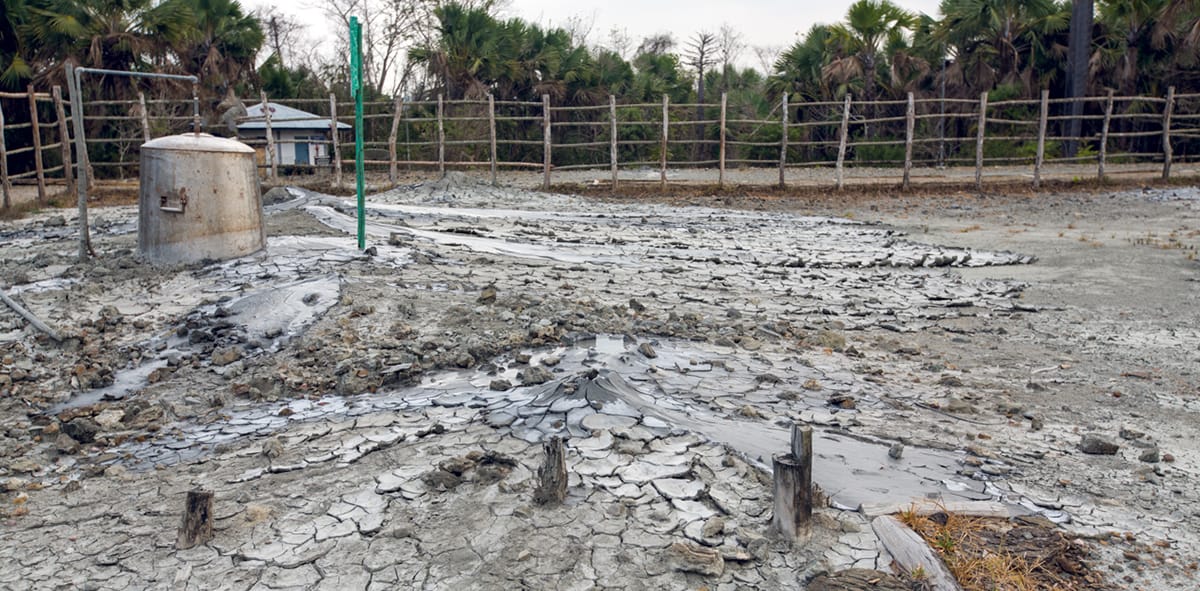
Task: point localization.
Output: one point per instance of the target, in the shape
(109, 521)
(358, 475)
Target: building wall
(286, 140)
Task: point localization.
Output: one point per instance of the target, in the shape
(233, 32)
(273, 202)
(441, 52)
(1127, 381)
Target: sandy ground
(374, 421)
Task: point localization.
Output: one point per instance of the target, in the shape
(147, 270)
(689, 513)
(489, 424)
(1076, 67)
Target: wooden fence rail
(496, 134)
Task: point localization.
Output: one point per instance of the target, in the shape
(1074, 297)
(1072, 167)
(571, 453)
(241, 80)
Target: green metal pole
(357, 90)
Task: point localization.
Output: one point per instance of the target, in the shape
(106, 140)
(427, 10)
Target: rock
(1150, 456)
(110, 417)
(959, 406)
(1036, 424)
(693, 558)
(276, 195)
(500, 385)
(536, 375)
(843, 401)
(82, 429)
(1130, 434)
(1097, 445)
(714, 527)
(272, 448)
(225, 355)
(646, 350)
(64, 444)
(896, 451)
(951, 381)
(636, 306)
(488, 295)
(1168, 458)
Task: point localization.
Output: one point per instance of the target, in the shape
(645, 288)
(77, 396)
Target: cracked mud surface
(373, 421)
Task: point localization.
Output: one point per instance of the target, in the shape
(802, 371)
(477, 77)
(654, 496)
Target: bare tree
(656, 44)
(283, 30)
(729, 48)
(580, 27)
(620, 41)
(767, 55)
(700, 54)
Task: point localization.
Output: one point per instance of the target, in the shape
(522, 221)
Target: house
(301, 138)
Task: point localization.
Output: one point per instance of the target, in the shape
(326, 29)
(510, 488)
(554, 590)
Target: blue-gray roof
(285, 117)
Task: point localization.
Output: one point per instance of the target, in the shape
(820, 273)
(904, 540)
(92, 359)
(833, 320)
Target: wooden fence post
(398, 106)
(666, 121)
(441, 135)
(4, 180)
(82, 177)
(145, 117)
(1043, 120)
(1108, 109)
(492, 133)
(844, 135)
(552, 474)
(1168, 153)
(546, 139)
(783, 141)
(197, 524)
(910, 124)
(335, 150)
(612, 133)
(721, 171)
(271, 159)
(64, 138)
(983, 102)
(792, 515)
(35, 130)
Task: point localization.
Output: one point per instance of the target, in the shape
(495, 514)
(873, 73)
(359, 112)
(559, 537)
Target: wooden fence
(535, 135)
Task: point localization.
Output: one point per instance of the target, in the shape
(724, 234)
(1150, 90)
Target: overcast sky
(761, 22)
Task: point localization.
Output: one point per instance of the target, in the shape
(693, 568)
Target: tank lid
(198, 142)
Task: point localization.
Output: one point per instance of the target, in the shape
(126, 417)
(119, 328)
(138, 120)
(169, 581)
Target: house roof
(285, 117)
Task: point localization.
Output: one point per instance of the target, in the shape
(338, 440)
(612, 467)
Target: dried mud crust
(348, 449)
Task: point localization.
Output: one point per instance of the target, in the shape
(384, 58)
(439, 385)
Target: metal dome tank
(199, 200)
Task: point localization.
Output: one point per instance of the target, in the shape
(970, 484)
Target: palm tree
(111, 34)
(998, 41)
(858, 44)
(798, 71)
(14, 69)
(222, 43)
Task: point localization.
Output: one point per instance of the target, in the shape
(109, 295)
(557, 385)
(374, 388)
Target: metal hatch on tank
(199, 200)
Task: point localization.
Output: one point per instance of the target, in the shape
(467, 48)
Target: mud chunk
(831, 340)
(82, 429)
(636, 306)
(1097, 445)
(693, 558)
(856, 579)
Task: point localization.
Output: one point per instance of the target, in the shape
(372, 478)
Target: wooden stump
(197, 527)
(552, 475)
(792, 487)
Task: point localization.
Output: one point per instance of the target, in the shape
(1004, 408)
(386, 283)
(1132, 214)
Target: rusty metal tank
(199, 199)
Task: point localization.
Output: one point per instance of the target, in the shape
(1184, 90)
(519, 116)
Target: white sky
(761, 22)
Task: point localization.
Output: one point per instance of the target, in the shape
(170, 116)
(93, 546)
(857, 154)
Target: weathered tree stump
(552, 474)
(197, 527)
(793, 488)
